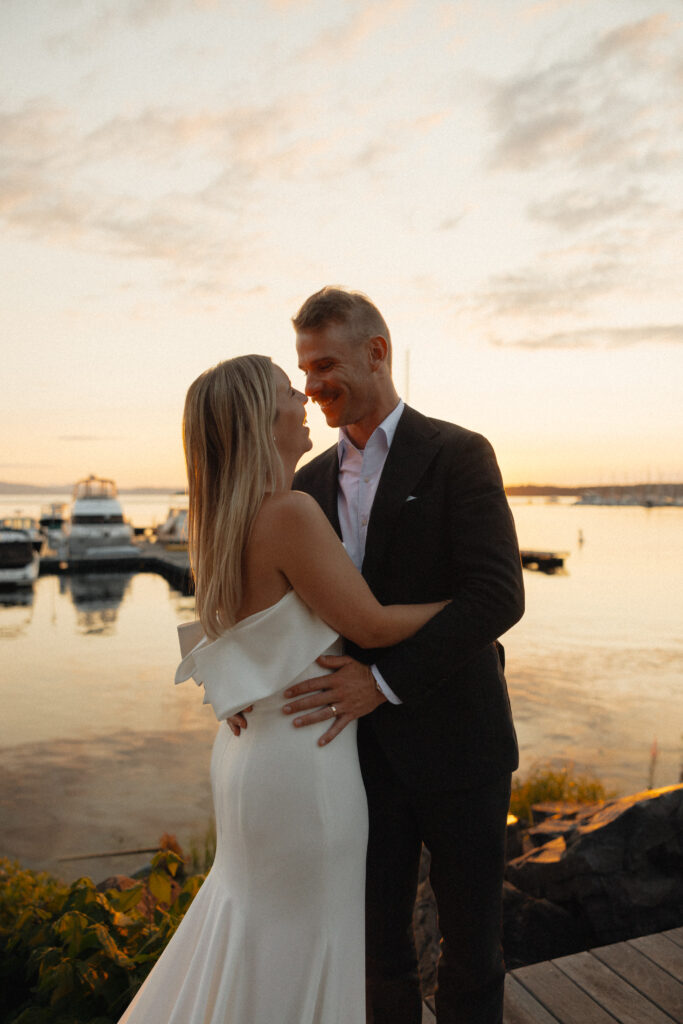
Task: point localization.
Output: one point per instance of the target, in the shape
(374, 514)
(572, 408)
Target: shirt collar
(387, 427)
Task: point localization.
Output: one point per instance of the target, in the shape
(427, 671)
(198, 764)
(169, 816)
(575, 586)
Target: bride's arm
(307, 550)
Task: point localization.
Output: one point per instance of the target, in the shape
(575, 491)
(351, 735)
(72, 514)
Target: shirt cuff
(384, 686)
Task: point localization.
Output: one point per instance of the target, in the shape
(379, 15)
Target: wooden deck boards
(634, 982)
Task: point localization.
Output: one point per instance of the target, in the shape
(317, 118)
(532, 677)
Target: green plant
(75, 955)
(546, 783)
(203, 849)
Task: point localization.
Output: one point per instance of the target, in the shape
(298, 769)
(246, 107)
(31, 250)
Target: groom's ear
(378, 351)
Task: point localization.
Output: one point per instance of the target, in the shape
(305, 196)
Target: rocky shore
(580, 876)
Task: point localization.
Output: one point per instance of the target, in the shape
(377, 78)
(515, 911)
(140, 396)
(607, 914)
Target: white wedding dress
(276, 933)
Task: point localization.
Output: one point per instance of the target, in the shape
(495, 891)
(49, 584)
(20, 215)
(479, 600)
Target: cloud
(558, 287)
(635, 37)
(55, 181)
(84, 437)
(135, 14)
(580, 206)
(450, 223)
(341, 41)
(618, 104)
(601, 337)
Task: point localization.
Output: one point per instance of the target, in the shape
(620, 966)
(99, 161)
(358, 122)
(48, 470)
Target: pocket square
(411, 497)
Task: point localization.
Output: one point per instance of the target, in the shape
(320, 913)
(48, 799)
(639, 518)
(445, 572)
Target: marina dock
(634, 982)
(545, 561)
(173, 565)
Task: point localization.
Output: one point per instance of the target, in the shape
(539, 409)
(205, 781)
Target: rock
(555, 809)
(617, 869)
(426, 928)
(120, 882)
(513, 838)
(533, 929)
(536, 929)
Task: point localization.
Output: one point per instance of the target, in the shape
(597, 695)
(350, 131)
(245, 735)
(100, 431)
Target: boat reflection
(16, 606)
(97, 598)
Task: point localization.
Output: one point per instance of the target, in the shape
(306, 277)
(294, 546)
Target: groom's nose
(312, 386)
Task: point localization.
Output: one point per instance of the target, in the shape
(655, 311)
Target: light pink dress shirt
(359, 475)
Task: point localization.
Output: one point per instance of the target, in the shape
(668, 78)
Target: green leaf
(59, 980)
(71, 928)
(127, 898)
(160, 886)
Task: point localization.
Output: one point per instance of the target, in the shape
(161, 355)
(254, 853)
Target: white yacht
(19, 561)
(173, 533)
(25, 524)
(52, 520)
(96, 527)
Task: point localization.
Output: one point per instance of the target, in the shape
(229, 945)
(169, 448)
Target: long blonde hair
(231, 462)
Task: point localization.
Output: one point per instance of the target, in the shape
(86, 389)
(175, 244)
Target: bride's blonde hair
(232, 461)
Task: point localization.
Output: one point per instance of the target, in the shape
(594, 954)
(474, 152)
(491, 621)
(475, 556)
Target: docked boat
(25, 524)
(173, 533)
(52, 520)
(96, 528)
(19, 561)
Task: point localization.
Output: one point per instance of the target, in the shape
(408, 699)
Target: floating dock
(545, 561)
(173, 565)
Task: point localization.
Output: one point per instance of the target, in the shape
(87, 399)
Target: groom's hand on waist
(348, 693)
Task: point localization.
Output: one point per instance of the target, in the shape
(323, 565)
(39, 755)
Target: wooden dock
(634, 982)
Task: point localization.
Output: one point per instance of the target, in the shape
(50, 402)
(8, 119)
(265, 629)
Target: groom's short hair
(334, 305)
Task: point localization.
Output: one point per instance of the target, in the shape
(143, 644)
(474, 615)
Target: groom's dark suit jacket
(440, 528)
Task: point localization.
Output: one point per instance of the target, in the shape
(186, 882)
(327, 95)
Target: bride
(275, 935)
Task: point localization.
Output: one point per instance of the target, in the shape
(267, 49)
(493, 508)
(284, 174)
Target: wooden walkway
(634, 982)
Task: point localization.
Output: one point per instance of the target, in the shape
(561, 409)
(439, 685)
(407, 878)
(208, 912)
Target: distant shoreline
(10, 488)
(513, 490)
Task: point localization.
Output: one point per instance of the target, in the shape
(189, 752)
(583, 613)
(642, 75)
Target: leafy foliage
(203, 849)
(71, 954)
(546, 783)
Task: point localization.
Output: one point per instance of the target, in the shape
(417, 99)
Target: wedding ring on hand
(333, 710)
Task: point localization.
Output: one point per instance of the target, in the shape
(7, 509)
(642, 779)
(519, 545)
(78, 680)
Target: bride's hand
(238, 722)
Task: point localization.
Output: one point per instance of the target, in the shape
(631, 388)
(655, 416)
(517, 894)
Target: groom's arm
(486, 589)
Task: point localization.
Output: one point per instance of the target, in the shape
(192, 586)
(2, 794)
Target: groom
(420, 506)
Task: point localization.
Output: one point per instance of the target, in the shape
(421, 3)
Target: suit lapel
(324, 485)
(415, 444)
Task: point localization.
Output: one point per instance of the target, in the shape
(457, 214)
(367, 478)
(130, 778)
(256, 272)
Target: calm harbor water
(101, 752)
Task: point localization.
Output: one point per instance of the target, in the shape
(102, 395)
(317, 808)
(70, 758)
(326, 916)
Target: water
(101, 752)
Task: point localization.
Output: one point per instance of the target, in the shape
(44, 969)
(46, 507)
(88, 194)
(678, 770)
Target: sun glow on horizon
(500, 178)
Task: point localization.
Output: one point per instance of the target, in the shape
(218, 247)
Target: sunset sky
(502, 177)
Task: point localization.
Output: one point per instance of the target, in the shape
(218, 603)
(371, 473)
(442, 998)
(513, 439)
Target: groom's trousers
(464, 831)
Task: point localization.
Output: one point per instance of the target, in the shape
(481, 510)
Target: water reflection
(17, 610)
(97, 598)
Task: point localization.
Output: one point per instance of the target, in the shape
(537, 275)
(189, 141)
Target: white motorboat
(52, 520)
(96, 527)
(173, 533)
(19, 561)
(25, 524)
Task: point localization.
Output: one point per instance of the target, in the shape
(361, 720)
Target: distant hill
(534, 490)
(514, 490)
(605, 490)
(10, 488)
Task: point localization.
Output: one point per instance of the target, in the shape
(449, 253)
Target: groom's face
(338, 374)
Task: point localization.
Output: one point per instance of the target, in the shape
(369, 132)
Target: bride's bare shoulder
(288, 510)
